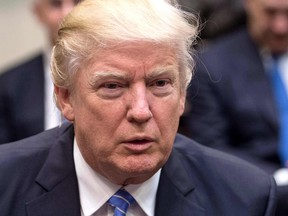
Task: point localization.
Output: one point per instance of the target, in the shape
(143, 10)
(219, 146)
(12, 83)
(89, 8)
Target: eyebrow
(162, 70)
(156, 72)
(105, 74)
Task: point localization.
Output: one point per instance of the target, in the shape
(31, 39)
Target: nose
(138, 106)
(67, 7)
(280, 25)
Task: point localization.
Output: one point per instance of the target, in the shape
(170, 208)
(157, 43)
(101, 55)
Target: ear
(182, 103)
(246, 4)
(63, 99)
(38, 11)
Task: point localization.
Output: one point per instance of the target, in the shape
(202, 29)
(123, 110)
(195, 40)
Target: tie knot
(121, 201)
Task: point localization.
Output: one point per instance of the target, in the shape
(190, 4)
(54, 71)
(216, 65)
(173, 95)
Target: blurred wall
(20, 33)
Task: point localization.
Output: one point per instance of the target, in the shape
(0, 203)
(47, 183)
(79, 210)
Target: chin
(137, 176)
(142, 165)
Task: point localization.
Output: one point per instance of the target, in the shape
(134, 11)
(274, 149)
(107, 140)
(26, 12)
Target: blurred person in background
(26, 90)
(234, 98)
(217, 16)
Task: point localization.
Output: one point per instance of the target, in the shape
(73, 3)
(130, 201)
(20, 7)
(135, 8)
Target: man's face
(125, 107)
(51, 12)
(268, 20)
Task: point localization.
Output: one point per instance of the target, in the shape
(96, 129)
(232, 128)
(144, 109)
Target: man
(233, 104)
(214, 15)
(120, 70)
(26, 91)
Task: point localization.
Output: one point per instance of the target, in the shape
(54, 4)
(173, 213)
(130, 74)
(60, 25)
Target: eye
(270, 12)
(161, 87)
(111, 85)
(161, 83)
(56, 3)
(110, 90)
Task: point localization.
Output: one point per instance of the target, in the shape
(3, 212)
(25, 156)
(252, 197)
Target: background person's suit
(38, 178)
(232, 106)
(22, 100)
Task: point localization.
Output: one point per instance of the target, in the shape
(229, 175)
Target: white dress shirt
(283, 68)
(95, 190)
(281, 175)
(282, 64)
(52, 115)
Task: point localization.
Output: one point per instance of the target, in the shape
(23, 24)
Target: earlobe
(64, 103)
(182, 104)
(37, 10)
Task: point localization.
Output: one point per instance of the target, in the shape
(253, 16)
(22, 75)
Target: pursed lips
(139, 140)
(140, 143)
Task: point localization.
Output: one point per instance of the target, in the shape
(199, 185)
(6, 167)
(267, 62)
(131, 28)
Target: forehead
(135, 56)
(56, 2)
(277, 4)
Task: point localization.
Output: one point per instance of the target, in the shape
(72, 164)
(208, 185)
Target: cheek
(54, 19)
(168, 112)
(93, 147)
(96, 124)
(96, 113)
(178, 105)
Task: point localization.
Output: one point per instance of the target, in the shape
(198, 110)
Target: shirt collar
(266, 57)
(95, 190)
(47, 52)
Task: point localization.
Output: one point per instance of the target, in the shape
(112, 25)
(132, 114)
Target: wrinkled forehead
(136, 55)
(139, 47)
(56, 3)
(273, 4)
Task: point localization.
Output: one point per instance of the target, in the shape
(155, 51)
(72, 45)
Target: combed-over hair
(95, 24)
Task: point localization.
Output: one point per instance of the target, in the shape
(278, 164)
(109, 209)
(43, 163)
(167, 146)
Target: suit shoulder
(14, 81)
(226, 42)
(25, 149)
(222, 178)
(213, 160)
(23, 69)
(30, 151)
(226, 48)
(21, 159)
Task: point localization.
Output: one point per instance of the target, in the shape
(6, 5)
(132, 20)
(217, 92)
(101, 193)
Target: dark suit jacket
(38, 178)
(232, 102)
(22, 101)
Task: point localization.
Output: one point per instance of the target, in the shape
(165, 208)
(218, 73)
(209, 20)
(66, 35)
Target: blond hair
(94, 24)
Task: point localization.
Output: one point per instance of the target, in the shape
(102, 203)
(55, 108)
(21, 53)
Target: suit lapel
(176, 195)
(58, 178)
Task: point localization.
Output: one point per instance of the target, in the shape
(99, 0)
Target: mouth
(138, 144)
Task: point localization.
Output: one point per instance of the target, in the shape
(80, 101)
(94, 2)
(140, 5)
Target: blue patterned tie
(121, 201)
(282, 102)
